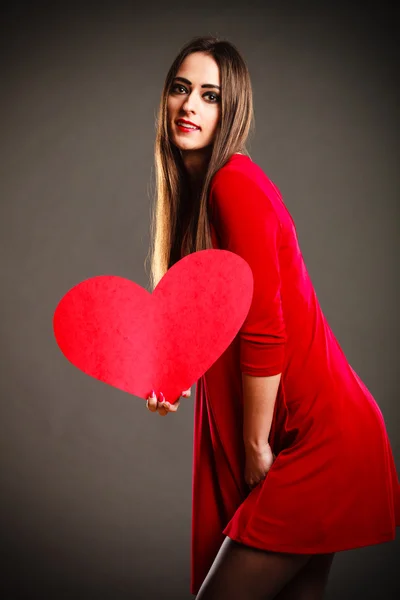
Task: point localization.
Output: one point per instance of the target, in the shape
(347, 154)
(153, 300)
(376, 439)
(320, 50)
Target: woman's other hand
(163, 407)
(259, 460)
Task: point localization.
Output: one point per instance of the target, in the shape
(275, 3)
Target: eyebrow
(205, 85)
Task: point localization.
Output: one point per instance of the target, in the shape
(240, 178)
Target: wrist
(255, 444)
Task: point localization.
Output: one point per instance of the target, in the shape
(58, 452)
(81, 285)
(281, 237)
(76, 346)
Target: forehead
(199, 68)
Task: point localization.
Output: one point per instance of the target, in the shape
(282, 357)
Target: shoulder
(241, 170)
(242, 182)
(236, 170)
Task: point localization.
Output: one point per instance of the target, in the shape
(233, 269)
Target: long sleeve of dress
(246, 224)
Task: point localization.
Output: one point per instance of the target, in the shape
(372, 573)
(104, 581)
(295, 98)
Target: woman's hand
(258, 462)
(163, 407)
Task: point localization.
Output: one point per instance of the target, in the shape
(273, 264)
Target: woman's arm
(246, 224)
(259, 395)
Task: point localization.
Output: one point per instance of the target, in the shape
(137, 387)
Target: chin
(191, 145)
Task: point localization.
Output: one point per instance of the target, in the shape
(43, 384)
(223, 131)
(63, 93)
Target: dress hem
(274, 547)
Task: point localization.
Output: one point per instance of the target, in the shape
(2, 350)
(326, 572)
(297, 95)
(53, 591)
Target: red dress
(333, 485)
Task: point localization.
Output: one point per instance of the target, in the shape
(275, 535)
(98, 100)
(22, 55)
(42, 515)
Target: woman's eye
(178, 87)
(215, 96)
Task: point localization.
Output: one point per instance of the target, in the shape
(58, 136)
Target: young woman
(291, 460)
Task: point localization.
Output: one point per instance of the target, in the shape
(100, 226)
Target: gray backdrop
(96, 490)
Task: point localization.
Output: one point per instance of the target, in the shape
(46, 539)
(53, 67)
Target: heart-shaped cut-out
(116, 331)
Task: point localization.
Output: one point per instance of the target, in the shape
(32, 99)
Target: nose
(190, 103)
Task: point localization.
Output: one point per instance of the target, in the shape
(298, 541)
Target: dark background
(95, 498)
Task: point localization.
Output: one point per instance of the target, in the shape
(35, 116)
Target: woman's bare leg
(240, 572)
(311, 581)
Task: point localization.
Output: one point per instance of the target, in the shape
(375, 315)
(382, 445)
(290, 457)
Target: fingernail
(153, 394)
(162, 397)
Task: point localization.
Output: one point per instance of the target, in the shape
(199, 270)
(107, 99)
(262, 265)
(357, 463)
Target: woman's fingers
(163, 407)
(173, 407)
(160, 405)
(155, 406)
(152, 403)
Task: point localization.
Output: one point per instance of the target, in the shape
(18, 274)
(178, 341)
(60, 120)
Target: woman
(291, 460)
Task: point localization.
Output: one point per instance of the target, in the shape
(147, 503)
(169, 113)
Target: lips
(183, 123)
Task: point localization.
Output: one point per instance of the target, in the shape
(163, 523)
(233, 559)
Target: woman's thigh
(311, 581)
(240, 572)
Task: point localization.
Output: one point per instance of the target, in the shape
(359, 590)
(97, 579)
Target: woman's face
(194, 96)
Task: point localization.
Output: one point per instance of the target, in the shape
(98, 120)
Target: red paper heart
(116, 331)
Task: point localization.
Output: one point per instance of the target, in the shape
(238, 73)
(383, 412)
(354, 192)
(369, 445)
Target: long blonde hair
(180, 222)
